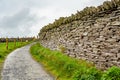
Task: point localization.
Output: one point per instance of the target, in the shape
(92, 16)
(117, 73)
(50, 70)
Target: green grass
(4, 52)
(66, 68)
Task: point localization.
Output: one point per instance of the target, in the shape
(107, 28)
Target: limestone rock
(96, 40)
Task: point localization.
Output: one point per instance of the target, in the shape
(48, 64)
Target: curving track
(19, 65)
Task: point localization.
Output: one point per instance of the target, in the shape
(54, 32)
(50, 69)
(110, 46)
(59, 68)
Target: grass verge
(66, 68)
(4, 52)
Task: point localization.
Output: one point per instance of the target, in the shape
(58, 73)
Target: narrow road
(19, 65)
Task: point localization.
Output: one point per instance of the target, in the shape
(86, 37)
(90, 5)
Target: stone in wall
(96, 40)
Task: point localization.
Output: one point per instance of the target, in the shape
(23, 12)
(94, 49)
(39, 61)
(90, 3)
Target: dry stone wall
(96, 39)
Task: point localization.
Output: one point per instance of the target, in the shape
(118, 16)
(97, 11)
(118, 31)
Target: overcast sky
(27, 17)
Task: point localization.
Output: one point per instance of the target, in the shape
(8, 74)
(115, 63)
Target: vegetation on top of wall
(80, 15)
(67, 68)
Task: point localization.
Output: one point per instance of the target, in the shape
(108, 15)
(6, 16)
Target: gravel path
(20, 66)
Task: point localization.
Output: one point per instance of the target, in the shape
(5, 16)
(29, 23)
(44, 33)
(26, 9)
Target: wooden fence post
(7, 43)
(37, 36)
(14, 43)
(34, 38)
(21, 41)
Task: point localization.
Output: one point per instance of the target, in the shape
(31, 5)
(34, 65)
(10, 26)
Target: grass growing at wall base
(66, 68)
(4, 52)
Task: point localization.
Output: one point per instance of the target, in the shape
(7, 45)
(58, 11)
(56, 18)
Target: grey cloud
(16, 20)
(17, 17)
(14, 33)
(17, 24)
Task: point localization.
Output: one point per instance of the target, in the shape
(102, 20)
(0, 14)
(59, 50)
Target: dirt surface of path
(19, 65)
